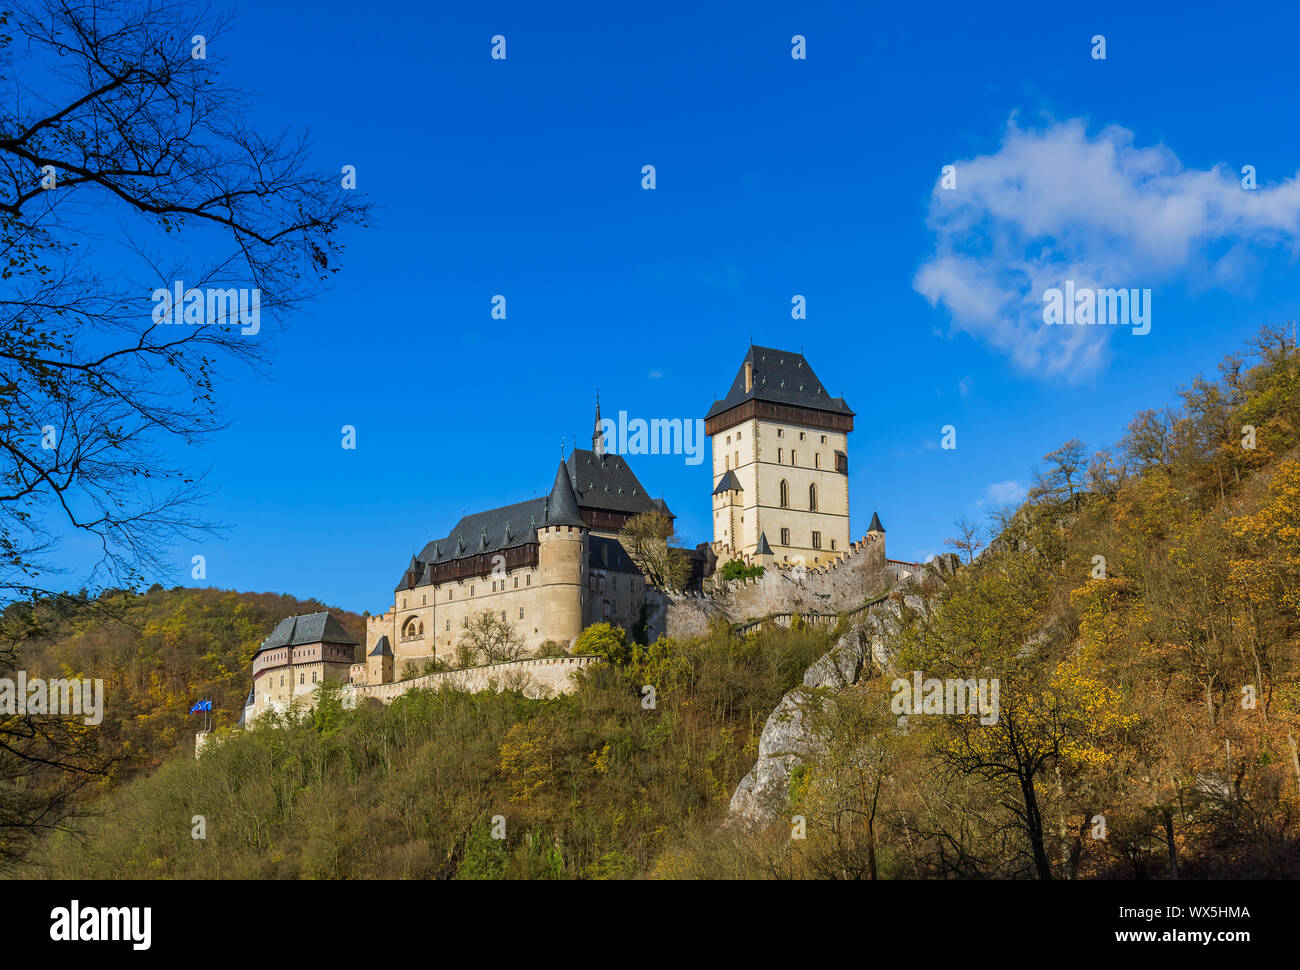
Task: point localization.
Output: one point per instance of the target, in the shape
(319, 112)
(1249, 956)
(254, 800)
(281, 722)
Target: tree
(1064, 474)
(493, 636)
(648, 538)
(967, 541)
(606, 641)
(117, 145)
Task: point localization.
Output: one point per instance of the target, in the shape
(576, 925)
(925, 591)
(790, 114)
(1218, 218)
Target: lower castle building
(550, 567)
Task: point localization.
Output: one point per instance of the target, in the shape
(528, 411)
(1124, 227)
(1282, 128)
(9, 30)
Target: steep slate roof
(781, 377)
(763, 548)
(605, 553)
(562, 503)
(498, 529)
(728, 483)
(875, 524)
(293, 631)
(607, 482)
(382, 648)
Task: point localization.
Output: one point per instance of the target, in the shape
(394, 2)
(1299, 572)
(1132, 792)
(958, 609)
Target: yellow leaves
(1270, 571)
(527, 759)
(599, 760)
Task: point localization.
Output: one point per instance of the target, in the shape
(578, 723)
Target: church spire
(597, 435)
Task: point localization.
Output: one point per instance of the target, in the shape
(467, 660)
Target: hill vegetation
(157, 653)
(1140, 612)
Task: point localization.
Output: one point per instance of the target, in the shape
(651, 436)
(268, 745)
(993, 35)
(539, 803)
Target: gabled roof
(875, 524)
(293, 631)
(382, 649)
(509, 525)
(763, 548)
(608, 483)
(781, 377)
(729, 483)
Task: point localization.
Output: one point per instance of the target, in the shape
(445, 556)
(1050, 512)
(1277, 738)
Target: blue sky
(775, 177)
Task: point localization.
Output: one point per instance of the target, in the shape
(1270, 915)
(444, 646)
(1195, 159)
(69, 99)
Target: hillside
(157, 653)
(1139, 612)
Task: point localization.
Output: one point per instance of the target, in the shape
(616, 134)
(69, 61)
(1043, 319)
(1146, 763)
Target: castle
(551, 566)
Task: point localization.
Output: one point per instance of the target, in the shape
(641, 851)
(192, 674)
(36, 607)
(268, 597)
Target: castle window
(423, 599)
(728, 439)
(801, 436)
(737, 435)
(812, 498)
(521, 612)
(302, 678)
(779, 432)
(313, 676)
(516, 582)
(449, 592)
(779, 459)
(785, 494)
(471, 591)
(403, 602)
(464, 621)
(448, 624)
(823, 439)
(817, 459)
(282, 680)
(793, 460)
(503, 615)
(785, 537)
(832, 545)
(817, 540)
(528, 580)
(737, 459)
(726, 459)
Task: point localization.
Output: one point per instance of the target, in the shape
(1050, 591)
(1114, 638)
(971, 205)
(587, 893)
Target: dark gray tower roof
(780, 377)
(729, 483)
(562, 503)
(293, 631)
(763, 548)
(875, 524)
(382, 648)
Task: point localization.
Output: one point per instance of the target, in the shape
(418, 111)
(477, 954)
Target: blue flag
(201, 706)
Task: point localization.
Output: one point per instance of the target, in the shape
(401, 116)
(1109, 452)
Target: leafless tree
(493, 636)
(648, 539)
(127, 165)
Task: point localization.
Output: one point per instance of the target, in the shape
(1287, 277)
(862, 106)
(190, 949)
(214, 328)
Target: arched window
(411, 628)
(812, 498)
(785, 494)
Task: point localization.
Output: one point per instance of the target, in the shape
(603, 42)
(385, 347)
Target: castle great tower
(780, 463)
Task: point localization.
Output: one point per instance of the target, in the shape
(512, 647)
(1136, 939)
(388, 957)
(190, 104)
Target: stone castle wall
(829, 588)
(537, 678)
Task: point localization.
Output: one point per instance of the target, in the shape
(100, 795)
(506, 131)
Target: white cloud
(1003, 493)
(966, 387)
(1057, 204)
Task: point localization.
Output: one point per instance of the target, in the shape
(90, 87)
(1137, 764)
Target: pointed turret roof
(763, 548)
(729, 483)
(875, 524)
(597, 436)
(382, 648)
(562, 503)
